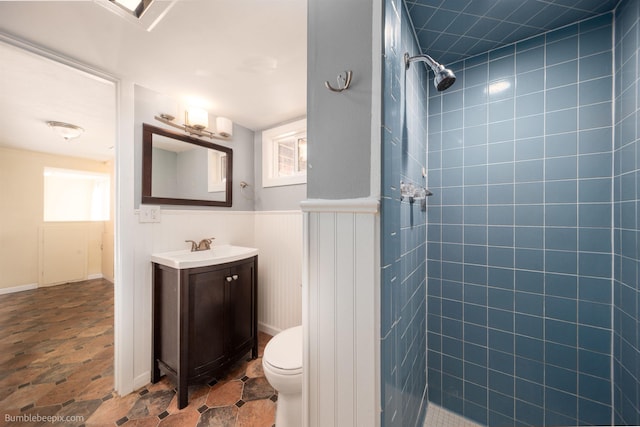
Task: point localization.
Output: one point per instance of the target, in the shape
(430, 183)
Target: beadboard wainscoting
(278, 237)
(341, 313)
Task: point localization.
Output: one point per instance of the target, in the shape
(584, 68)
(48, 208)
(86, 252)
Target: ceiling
(451, 30)
(242, 59)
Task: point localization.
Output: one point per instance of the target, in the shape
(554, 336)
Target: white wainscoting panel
(341, 385)
(278, 237)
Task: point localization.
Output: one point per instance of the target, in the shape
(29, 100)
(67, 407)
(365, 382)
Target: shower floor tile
(440, 417)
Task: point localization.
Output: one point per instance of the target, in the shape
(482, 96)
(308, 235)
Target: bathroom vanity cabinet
(204, 320)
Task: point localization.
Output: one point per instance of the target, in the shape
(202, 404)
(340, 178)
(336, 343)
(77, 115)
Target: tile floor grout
(56, 360)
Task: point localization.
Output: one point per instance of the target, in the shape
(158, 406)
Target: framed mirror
(181, 170)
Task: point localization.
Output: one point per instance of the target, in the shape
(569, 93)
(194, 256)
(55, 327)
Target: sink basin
(214, 256)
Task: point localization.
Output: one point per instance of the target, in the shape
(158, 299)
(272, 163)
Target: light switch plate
(149, 213)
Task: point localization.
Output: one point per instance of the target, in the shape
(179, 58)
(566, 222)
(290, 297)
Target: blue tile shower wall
(403, 275)
(519, 232)
(626, 223)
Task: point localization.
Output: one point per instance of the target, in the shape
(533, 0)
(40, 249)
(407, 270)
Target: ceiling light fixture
(66, 130)
(196, 121)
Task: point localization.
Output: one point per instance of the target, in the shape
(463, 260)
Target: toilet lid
(284, 351)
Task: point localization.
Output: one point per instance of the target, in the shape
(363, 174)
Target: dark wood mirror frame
(147, 160)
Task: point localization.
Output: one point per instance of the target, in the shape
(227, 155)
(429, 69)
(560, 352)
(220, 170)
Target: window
(75, 195)
(217, 171)
(284, 154)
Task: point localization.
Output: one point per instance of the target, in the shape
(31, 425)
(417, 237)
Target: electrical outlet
(149, 213)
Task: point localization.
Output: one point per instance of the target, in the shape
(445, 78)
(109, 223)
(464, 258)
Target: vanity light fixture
(196, 121)
(66, 130)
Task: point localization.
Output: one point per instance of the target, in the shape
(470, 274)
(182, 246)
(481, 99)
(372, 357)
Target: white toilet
(282, 364)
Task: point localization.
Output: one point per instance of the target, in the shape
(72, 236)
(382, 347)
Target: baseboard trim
(141, 380)
(20, 288)
(95, 276)
(268, 329)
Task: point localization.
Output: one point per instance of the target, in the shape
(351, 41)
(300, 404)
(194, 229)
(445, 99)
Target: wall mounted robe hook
(344, 81)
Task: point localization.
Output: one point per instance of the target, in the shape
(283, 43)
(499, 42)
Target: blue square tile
(528, 171)
(594, 289)
(561, 309)
(531, 148)
(529, 281)
(595, 239)
(501, 257)
(530, 370)
(475, 334)
(594, 314)
(561, 285)
(594, 339)
(594, 214)
(500, 236)
(474, 156)
(565, 191)
(595, 190)
(477, 413)
(501, 319)
(475, 254)
(529, 414)
(562, 215)
(529, 237)
(530, 326)
(530, 82)
(595, 264)
(502, 68)
(503, 131)
(529, 193)
(501, 215)
(594, 364)
(595, 91)
(593, 412)
(595, 116)
(562, 98)
(475, 294)
(563, 144)
(529, 60)
(529, 104)
(501, 110)
(561, 238)
(562, 50)
(565, 74)
(595, 66)
(501, 362)
(562, 121)
(500, 194)
(475, 314)
(527, 303)
(529, 259)
(561, 332)
(561, 355)
(501, 383)
(529, 215)
(561, 379)
(530, 126)
(561, 168)
(561, 262)
(561, 403)
(475, 234)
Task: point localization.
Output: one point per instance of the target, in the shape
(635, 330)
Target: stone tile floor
(56, 360)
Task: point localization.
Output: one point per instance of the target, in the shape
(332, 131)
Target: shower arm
(422, 58)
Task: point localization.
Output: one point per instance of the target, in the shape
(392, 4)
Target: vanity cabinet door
(241, 304)
(206, 320)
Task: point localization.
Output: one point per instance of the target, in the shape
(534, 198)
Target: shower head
(444, 77)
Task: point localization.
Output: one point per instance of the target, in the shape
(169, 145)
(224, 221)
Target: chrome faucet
(204, 245)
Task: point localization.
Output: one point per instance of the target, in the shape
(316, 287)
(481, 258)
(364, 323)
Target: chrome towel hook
(344, 81)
